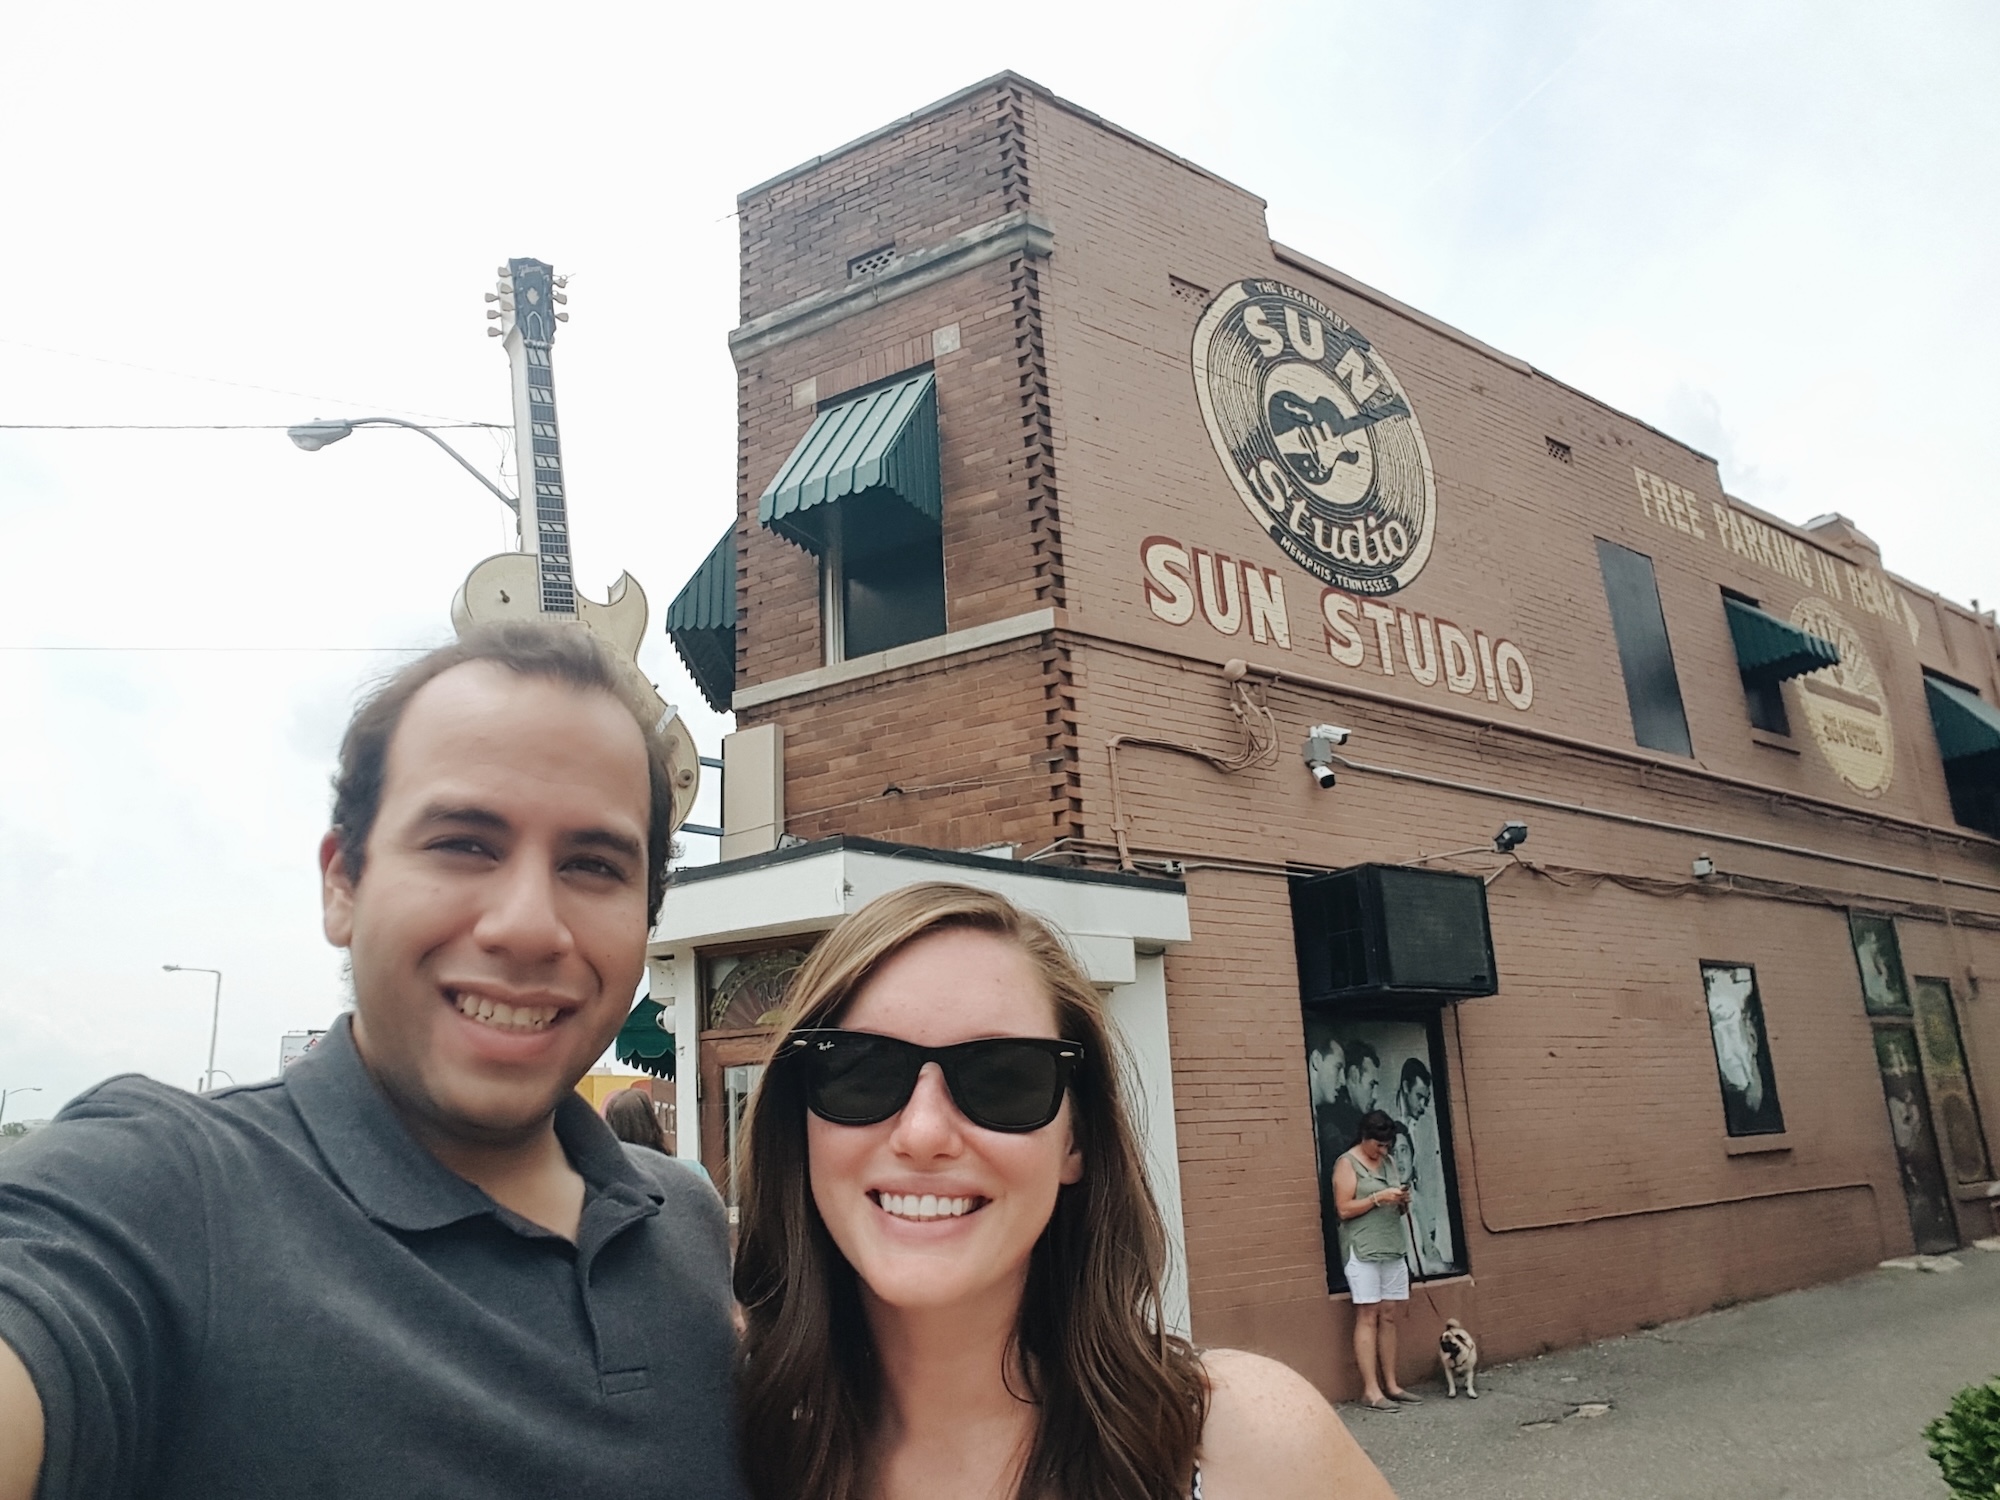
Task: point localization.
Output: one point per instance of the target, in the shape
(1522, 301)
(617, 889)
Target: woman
(1371, 1198)
(949, 1257)
(630, 1114)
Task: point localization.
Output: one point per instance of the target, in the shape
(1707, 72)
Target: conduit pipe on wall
(1930, 831)
(1472, 1151)
(1260, 747)
(1635, 820)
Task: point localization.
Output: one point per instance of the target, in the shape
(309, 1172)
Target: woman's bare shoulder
(1271, 1436)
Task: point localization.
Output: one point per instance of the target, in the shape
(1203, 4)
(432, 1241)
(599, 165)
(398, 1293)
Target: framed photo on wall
(1742, 1050)
(1396, 1065)
(1880, 959)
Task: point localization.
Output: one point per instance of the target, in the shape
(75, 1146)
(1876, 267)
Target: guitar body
(535, 583)
(508, 587)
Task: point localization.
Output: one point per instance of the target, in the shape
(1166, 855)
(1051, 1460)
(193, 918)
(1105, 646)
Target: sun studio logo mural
(1317, 435)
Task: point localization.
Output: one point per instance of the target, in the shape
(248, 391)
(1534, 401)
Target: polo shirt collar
(394, 1178)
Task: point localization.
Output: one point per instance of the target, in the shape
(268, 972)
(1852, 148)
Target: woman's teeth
(923, 1205)
(518, 1017)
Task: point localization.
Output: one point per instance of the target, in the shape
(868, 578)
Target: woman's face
(887, 1191)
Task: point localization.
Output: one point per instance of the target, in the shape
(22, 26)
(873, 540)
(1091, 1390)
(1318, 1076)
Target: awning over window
(1967, 725)
(701, 622)
(641, 1044)
(883, 443)
(1769, 650)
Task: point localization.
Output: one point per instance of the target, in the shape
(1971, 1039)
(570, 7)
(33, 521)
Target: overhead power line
(241, 385)
(198, 426)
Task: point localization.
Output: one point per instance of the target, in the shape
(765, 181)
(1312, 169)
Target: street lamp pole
(6, 1094)
(214, 1021)
(315, 435)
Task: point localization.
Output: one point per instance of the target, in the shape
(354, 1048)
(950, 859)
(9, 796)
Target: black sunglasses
(1011, 1083)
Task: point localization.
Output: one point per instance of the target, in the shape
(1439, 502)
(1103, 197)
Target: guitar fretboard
(551, 510)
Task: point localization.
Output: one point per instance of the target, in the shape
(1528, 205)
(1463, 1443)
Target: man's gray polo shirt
(277, 1291)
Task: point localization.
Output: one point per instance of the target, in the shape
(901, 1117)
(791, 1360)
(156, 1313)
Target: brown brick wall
(1596, 1190)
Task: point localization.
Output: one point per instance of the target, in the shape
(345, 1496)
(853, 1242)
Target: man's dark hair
(1377, 1126)
(1414, 1072)
(560, 653)
(1359, 1052)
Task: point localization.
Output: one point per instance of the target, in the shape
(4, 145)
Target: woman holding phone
(1372, 1196)
(949, 1258)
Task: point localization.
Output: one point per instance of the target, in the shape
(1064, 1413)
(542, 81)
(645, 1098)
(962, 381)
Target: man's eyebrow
(477, 817)
(604, 838)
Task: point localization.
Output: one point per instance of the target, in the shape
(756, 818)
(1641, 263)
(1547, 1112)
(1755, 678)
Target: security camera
(1510, 837)
(1703, 867)
(1318, 753)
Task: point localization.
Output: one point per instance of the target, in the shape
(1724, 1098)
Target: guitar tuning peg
(561, 280)
(492, 296)
(494, 313)
(562, 296)
(562, 317)
(493, 333)
(500, 271)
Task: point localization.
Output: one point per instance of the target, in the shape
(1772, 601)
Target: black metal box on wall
(1386, 932)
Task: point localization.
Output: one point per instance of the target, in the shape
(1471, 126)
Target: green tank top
(1377, 1234)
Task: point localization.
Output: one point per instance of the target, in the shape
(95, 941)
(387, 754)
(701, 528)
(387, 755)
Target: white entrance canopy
(1119, 927)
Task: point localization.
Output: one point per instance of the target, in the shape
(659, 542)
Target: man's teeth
(493, 1013)
(923, 1205)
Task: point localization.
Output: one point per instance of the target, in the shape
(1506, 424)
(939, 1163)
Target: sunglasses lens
(858, 1079)
(1007, 1085)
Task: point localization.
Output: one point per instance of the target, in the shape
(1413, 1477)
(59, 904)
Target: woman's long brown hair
(1120, 1400)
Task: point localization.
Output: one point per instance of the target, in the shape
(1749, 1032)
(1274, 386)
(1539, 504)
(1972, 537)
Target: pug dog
(1460, 1357)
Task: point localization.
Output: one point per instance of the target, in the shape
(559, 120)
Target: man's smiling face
(498, 929)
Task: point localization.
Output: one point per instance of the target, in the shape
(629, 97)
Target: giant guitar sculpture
(535, 582)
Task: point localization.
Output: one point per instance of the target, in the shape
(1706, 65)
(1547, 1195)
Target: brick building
(1070, 507)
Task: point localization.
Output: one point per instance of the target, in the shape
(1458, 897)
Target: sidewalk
(1819, 1395)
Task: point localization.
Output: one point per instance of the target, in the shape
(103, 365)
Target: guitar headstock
(528, 294)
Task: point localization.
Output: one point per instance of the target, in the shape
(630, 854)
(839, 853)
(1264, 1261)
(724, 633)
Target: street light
(215, 1019)
(6, 1094)
(316, 434)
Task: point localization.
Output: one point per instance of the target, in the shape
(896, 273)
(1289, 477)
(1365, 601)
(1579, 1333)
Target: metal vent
(1559, 450)
(874, 260)
(1187, 291)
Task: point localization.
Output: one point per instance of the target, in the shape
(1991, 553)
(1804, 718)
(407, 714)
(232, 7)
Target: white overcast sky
(1768, 228)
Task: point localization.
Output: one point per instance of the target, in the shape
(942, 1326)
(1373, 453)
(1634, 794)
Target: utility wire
(197, 426)
(307, 650)
(241, 385)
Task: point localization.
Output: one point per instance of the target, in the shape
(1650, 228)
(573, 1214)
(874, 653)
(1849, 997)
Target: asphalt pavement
(1815, 1395)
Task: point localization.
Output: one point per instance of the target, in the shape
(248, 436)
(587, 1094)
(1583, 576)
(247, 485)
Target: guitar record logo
(1845, 705)
(1318, 436)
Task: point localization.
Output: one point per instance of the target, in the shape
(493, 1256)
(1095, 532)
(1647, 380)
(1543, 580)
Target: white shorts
(1377, 1281)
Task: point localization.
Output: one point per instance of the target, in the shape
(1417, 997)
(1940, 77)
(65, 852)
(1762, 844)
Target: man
(1324, 1066)
(1412, 1112)
(1361, 1078)
(418, 1263)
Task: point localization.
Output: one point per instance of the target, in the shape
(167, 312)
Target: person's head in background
(1413, 1093)
(1323, 1068)
(631, 1116)
(1363, 1074)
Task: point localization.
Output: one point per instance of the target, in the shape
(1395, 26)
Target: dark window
(1652, 688)
(1742, 1050)
(1763, 697)
(885, 577)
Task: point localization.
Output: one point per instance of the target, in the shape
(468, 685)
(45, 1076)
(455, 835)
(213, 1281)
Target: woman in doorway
(1371, 1198)
(950, 1260)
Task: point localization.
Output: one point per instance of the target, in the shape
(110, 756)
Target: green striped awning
(1770, 650)
(1967, 725)
(641, 1044)
(883, 442)
(701, 622)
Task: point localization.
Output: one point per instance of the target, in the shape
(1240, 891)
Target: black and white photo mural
(1742, 1051)
(1353, 1066)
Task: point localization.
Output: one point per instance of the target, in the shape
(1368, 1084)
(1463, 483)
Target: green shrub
(1965, 1441)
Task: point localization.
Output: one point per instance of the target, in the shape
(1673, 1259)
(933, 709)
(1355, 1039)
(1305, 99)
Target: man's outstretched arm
(20, 1429)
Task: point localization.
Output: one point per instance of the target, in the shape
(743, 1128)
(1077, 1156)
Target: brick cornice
(1020, 233)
